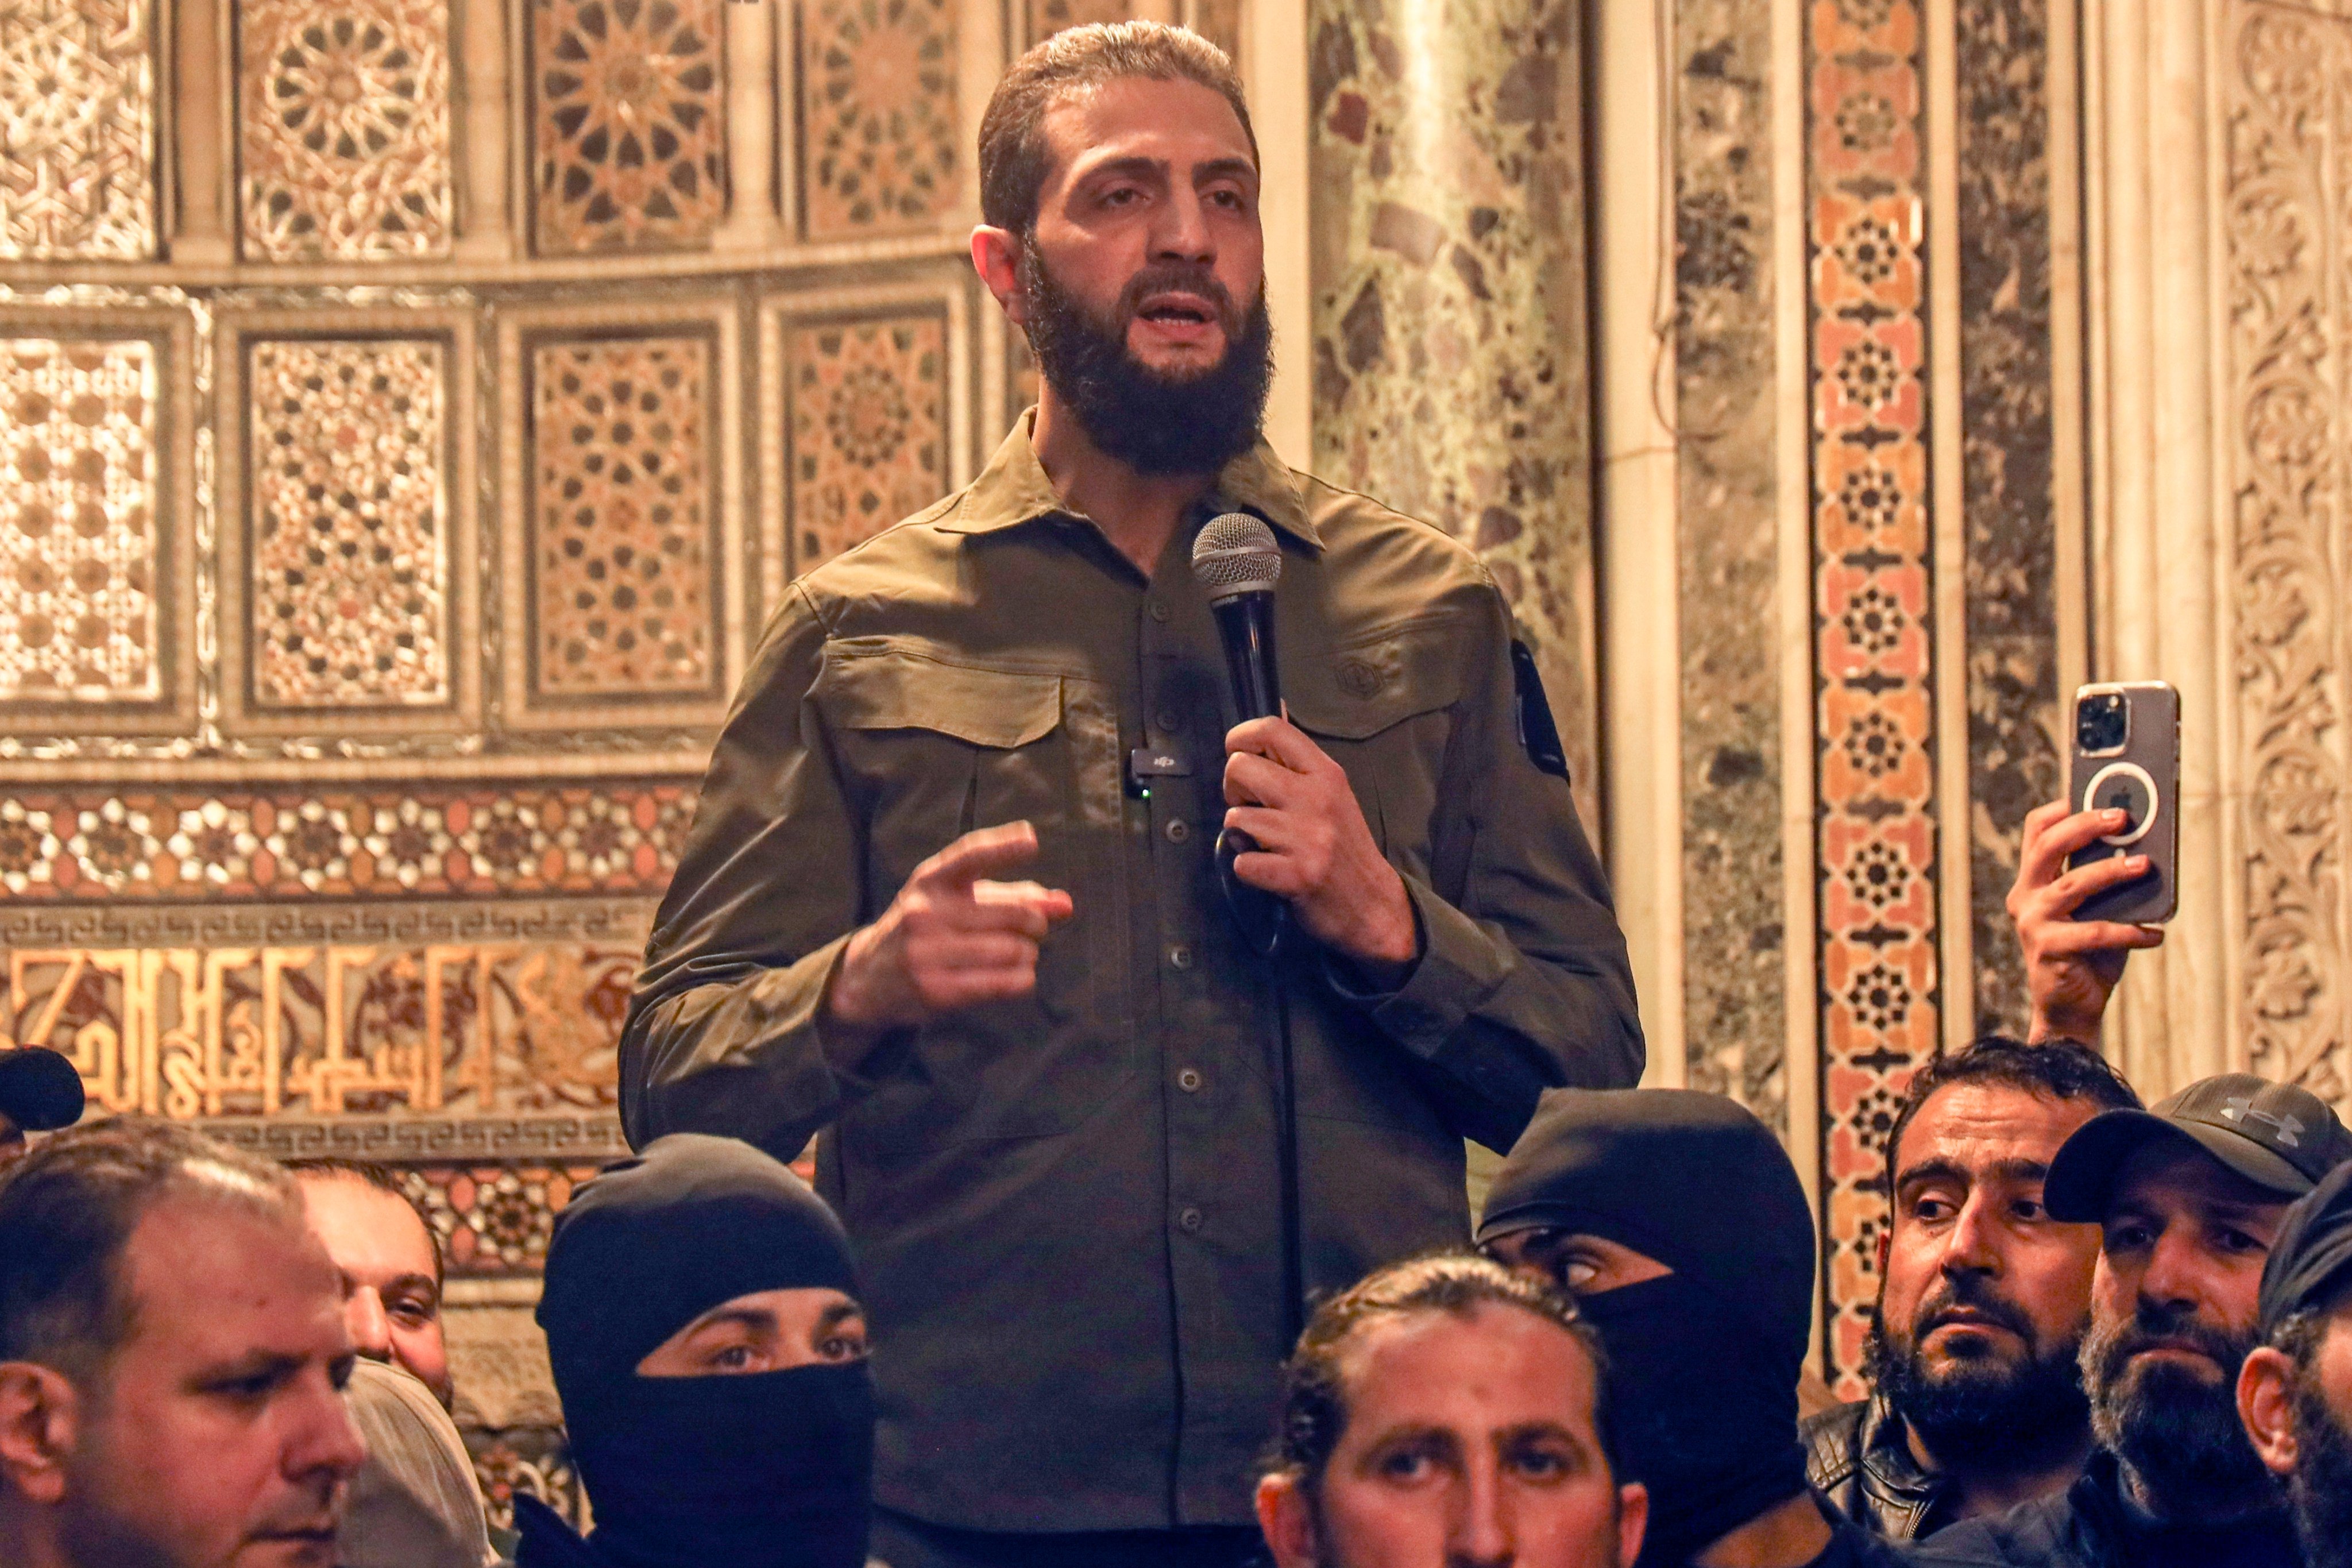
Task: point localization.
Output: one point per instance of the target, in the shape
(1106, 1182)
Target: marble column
(1449, 337)
(2160, 490)
(1727, 423)
(2015, 743)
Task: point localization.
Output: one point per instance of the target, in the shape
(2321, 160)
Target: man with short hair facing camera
(1445, 1411)
(1983, 1300)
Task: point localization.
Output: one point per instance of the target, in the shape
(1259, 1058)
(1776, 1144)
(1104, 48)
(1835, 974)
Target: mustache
(1175, 277)
(1972, 1293)
(2153, 1327)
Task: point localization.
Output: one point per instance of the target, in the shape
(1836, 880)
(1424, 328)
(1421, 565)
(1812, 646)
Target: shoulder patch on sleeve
(1539, 735)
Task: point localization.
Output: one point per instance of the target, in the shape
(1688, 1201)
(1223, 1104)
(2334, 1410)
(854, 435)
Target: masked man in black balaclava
(707, 1345)
(1678, 1224)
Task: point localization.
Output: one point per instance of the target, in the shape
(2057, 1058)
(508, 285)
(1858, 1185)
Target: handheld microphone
(1237, 563)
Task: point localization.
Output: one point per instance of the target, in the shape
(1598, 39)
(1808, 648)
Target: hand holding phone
(2072, 964)
(2126, 758)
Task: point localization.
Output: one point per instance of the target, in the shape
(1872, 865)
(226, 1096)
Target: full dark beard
(1154, 424)
(2178, 1434)
(2320, 1489)
(1969, 1409)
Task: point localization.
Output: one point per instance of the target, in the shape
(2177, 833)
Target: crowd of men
(2106, 1337)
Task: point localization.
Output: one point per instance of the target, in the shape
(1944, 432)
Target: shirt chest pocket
(1382, 706)
(929, 749)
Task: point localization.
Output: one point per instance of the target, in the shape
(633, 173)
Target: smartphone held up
(2126, 757)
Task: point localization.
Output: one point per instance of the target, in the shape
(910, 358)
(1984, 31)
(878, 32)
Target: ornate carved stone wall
(2288, 74)
(405, 424)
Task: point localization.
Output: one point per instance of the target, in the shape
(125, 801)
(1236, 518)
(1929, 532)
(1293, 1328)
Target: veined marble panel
(2015, 734)
(1735, 1014)
(1449, 332)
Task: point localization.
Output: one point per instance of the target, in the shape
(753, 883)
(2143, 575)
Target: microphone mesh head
(1236, 554)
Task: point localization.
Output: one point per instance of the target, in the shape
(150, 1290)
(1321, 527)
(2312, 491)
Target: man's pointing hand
(952, 939)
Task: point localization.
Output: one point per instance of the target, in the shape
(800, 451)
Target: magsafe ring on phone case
(2128, 787)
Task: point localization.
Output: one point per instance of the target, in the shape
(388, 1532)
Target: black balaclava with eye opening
(762, 1470)
(1703, 1361)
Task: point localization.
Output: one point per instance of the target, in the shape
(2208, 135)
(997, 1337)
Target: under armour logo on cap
(2289, 1128)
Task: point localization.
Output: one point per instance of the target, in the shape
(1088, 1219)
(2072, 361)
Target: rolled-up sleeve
(723, 1034)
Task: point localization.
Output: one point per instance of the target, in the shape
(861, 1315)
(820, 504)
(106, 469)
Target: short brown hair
(1315, 1393)
(1013, 158)
(384, 1179)
(67, 1211)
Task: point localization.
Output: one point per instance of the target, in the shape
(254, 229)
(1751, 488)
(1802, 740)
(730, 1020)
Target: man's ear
(40, 1425)
(1288, 1525)
(2266, 1407)
(1632, 1520)
(996, 256)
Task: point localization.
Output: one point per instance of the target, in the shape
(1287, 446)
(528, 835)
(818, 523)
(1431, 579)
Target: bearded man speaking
(951, 894)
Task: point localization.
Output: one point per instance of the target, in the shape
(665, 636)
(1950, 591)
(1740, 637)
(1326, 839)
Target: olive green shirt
(1065, 1209)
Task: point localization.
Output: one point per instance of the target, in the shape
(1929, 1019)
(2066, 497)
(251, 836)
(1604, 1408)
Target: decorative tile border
(292, 844)
(148, 527)
(270, 485)
(525, 334)
(1876, 723)
(847, 444)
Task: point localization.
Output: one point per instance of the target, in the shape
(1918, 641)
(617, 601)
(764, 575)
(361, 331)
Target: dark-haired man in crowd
(2295, 1394)
(1678, 1224)
(1025, 681)
(391, 1262)
(1446, 1411)
(172, 1357)
(2188, 1197)
(1977, 1403)
(40, 1092)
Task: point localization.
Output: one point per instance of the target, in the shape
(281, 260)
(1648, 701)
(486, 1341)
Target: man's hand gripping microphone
(1237, 563)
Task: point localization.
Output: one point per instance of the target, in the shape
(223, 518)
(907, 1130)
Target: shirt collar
(1014, 490)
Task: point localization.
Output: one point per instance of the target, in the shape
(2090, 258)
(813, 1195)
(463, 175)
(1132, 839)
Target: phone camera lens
(2102, 722)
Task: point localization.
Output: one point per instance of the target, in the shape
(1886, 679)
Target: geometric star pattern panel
(289, 844)
(77, 130)
(343, 111)
(869, 436)
(349, 519)
(1877, 816)
(622, 558)
(880, 131)
(78, 617)
(629, 124)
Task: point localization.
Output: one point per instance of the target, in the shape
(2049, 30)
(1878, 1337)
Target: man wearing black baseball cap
(2189, 1197)
(2294, 1395)
(40, 1092)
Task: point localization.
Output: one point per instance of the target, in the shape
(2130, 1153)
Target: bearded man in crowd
(2295, 1394)
(1977, 1403)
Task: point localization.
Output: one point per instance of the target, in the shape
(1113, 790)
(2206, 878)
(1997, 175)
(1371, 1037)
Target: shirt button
(1191, 1221)
(1158, 611)
(1167, 722)
(1180, 957)
(1179, 831)
(1189, 1080)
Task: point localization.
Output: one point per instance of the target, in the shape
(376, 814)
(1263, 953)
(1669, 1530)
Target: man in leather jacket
(1978, 1403)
